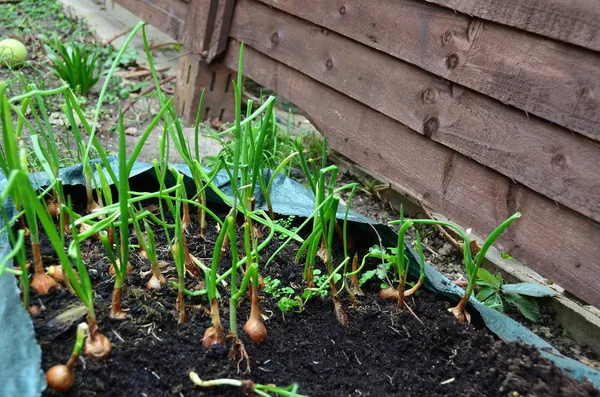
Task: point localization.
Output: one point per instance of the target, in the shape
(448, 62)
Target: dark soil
(381, 353)
(374, 204)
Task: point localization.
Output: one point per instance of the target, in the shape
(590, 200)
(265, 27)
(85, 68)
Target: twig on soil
(160, 45)
(136, 74)
(109, 41)
(141, 94)
(34, 36)
(443, 231)
(413, 313)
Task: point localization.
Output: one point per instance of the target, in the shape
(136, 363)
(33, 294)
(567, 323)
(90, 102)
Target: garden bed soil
(449, 261)
(382, 352)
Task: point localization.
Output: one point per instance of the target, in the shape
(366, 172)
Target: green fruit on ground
(12, 52)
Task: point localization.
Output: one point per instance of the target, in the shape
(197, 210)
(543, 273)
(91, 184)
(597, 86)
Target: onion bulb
(255, 327)
(60, 378)
(98, 347)
(42, 283)
(389, 293)
(56, 272)
(213, 336)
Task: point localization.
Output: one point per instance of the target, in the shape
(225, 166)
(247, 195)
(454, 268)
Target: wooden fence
(477, 108)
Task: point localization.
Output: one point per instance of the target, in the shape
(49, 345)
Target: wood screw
(342, 10)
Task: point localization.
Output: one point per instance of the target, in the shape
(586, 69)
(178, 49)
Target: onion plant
(14, 158)
(122, 243)
(18, 251)
(179, 251)
(97, 345)
(472, 263)
(62, 377)
(247, 387)
(214, 334)
(147, 242)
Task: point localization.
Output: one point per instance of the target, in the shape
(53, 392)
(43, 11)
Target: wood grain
(220, 35)
(168, 16)
(542, 156)
(193, 76)
(559, 243)
(553, 80)
(572, 21)
(199, 23)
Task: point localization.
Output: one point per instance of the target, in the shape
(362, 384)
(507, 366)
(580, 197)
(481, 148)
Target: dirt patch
(382, 352)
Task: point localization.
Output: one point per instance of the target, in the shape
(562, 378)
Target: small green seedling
(62, 377)
(472, 264)
(493, 292)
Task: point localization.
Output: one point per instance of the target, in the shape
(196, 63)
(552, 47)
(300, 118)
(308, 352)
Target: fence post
(205, 36)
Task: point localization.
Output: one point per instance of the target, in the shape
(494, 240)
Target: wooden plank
(572, 21)
(199, 25)
(207, 27)
(555, 81)
(220, 36)
(559, 243)
(542, 156)
(151, 12)
(193, 76)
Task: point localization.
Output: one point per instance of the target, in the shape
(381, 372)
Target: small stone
(131, 131)
(446, 249)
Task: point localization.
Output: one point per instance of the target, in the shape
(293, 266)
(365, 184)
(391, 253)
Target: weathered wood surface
(573, 21)
(194, 75)
(443, 179)
(220, 34)
(553, 80)
(168, 16)
(198, 27)
(542, 156)
(206, 30)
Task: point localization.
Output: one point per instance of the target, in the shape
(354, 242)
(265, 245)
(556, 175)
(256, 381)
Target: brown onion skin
(255, 327)
(98, 347)
(60, 378)
(212, 336)
(388, 293)
(43, 283)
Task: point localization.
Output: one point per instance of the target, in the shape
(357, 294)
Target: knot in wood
(559, 161)
(452, 61)
(342, 10)
(431, 126)
(275, 38)
(447, 37)
(429, 95)
(328, 63)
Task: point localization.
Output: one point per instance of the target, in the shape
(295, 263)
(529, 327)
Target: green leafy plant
(77, 64)
(395, 258)
(494, 292)
(286, 300)
(472, 263)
